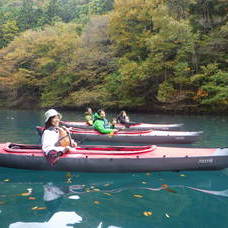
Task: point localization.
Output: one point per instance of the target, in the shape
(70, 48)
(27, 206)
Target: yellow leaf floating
(183, 175)
(147, 213)
(96, 190)
(24, 194)
(6, 180)
(97, 202)
(108, 194)
(106, 185)
(138, 196)
(39, 208)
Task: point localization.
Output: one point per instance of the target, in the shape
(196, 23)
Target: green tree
(8, 31)
(33, 65)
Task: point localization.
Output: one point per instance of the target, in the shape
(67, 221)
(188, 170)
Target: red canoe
(116, 158)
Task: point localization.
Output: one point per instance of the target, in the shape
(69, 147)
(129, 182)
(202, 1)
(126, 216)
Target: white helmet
(50, 113)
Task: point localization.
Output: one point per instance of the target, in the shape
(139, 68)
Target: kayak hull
(156, 159)
(138, 126)
(142, 137)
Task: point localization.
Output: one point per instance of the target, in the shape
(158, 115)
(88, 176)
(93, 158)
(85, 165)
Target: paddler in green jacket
(101, 124)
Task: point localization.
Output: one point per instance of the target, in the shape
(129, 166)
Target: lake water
(130, 200)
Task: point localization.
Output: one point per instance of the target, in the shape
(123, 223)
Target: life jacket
(64, 137)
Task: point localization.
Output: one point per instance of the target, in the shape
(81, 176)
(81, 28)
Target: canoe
(136, 126)
(147, 137)
(115, 158)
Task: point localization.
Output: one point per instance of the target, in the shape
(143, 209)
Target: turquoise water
(45, 199)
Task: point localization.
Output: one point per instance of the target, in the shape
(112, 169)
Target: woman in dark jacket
(124, 119)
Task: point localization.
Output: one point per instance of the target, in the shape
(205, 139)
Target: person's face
(102, 114)
(55, 121)
(90, 111)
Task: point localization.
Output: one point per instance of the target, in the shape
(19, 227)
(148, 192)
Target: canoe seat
(27, 147)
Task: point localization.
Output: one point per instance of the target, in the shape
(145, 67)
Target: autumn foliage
(144, 54)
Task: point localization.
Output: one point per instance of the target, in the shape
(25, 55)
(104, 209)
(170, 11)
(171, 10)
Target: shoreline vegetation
(158, 56)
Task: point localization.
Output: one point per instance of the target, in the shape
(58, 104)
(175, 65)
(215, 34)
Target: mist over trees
(161, 55)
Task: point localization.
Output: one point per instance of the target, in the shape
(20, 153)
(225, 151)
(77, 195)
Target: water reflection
(100, 202)
(60, 219)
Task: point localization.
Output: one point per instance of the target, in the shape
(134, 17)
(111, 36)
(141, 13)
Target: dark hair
(99, 111)
(122, 112)
(48, 123)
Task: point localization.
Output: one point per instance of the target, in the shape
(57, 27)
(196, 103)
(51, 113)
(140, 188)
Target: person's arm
(49, 139)
(99, 126)
(89, 119)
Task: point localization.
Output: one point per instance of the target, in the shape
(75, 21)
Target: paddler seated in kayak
(55, 140)
(102, 125)
(89, 116)
(124, 119)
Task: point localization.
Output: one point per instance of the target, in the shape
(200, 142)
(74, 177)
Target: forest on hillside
(144, 55)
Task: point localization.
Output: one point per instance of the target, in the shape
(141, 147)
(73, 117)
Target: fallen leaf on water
(166, 188)
(147, 213)
(6, 180)
(24, 194)
(138, 196)
(106, 185)
(108, 194)
(39, 208)
(32, 198)
(167, 215)
(97, 202)
(96, 190)
(183, 175)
